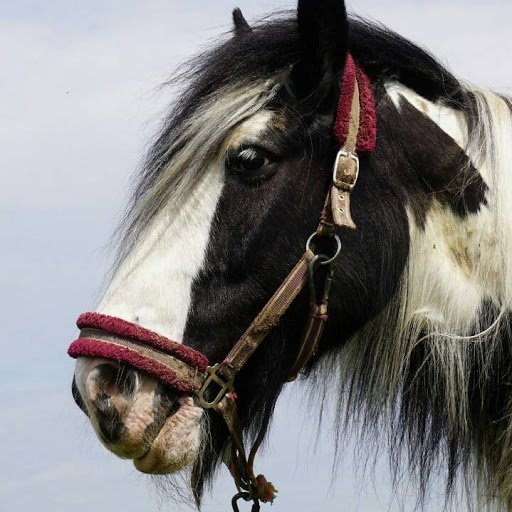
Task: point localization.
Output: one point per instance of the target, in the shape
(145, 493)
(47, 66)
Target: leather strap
(354, 121)
(258, 488)
(238, 463)
(336, 212)
(310, 339)
(181, 371)
(267, 319)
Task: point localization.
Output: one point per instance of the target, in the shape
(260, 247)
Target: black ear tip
(241, 25)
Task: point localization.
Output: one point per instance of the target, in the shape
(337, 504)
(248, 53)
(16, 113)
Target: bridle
(187, 370)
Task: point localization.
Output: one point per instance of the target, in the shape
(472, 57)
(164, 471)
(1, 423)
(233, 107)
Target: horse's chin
(177, 444)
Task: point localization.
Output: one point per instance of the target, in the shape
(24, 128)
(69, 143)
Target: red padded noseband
(138, 333)
(90, 346)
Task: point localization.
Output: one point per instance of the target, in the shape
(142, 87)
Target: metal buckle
(345, 154)
(225, 387)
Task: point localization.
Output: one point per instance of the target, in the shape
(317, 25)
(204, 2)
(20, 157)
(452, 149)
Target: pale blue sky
(78, 105)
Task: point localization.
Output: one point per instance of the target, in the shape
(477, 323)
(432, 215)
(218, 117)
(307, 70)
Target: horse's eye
(250, 162)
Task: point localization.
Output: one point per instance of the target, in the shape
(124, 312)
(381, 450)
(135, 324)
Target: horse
(417, 339)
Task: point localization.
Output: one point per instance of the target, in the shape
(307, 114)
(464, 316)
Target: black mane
(273, 45)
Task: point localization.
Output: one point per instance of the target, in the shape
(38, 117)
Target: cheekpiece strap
(355, 130)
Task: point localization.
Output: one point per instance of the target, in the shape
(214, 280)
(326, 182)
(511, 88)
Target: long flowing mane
(430, 378)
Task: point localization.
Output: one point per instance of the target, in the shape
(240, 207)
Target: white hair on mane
(455, 264)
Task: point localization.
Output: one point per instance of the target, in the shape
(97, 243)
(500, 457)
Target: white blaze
(153, 287)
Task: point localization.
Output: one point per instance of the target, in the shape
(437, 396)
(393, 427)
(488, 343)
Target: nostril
(110, 424)
(127, 381)
(112, 380)
(110, 387)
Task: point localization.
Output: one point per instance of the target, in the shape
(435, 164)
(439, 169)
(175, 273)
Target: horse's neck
(457, 263)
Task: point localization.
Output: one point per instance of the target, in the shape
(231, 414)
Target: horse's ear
(241, 26)
(323, 45)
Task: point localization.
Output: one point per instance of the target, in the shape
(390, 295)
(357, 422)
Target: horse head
(229, 195)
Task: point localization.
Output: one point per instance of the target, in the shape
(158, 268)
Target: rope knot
(264, 490)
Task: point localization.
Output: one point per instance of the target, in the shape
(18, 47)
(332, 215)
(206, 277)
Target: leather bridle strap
(223, 375)
(251, 487)
(268, 318)
(336, 211)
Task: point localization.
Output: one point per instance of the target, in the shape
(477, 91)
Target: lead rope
(250, 487)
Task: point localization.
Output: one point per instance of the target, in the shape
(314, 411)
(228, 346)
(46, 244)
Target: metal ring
(329, 260)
